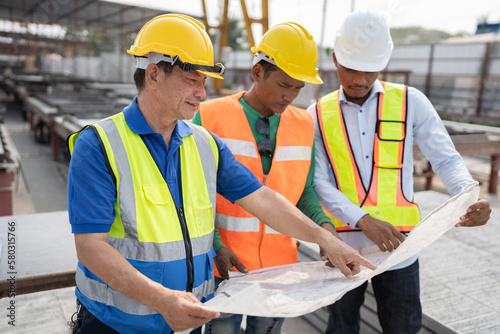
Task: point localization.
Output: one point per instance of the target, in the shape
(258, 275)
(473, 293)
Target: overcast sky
(447, 15)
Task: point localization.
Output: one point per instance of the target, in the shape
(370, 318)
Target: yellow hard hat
(178, 39)
(292, 48)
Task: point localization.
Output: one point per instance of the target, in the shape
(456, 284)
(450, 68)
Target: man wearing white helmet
(276, 142)
(364, 169)
(142, 190)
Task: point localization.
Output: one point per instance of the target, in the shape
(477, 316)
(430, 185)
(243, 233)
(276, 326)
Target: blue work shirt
(92, 192)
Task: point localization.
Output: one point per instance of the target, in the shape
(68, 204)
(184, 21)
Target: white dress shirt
(423, 124)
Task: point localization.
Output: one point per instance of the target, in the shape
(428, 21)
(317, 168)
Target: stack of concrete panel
(9, 165)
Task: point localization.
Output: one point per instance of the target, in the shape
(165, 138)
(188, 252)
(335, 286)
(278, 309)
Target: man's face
(357, 85)
(275, 91)
(181, 93)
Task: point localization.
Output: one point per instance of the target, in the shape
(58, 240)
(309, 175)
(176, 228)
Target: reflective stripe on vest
(241, 147)
(255, 244)
(238, 224)
(287, 153)
(385, 200)
(146, 230)
(99, 291)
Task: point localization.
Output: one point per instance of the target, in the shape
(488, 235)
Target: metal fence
(462, 80)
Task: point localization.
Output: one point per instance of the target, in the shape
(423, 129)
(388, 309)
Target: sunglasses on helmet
(188, 67)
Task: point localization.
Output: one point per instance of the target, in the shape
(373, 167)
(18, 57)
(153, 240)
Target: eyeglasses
(264, 145)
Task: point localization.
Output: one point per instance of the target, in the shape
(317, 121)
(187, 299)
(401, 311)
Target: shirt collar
(376, 88)
(137, 123)
(246, 107)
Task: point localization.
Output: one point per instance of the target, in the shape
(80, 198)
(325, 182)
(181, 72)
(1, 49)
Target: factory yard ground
(41, 187)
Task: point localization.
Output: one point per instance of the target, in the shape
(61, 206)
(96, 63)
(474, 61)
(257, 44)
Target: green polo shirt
(308, 202)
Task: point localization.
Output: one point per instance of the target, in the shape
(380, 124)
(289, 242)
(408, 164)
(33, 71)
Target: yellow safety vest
(384, 198)
(171, 246)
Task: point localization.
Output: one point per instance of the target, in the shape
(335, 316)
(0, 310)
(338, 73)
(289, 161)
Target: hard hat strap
(151, 58)
(188, 67)
(259, 55)
(155, 58)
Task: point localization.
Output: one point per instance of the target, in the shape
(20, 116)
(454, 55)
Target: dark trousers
(88, 324)
(229, 323)
(397, 293)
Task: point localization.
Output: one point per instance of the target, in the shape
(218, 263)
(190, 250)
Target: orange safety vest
(384, 198)
(254, 243)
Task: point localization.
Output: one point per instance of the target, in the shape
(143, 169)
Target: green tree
(96, 41)
(237, 38)
(419, 35)
(482, 18)
(101, 42)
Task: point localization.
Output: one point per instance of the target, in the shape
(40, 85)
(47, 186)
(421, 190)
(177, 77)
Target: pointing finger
(365, 263)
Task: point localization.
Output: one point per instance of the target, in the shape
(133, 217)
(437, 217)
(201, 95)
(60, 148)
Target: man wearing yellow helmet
(142, 190)
(276, 142)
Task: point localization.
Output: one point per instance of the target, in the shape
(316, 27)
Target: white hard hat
(363, 42)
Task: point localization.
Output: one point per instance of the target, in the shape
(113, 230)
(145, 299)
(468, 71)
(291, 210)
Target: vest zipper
(189, 250)
(187, 240)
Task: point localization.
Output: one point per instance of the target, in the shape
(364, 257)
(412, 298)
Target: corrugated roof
(96, 15)
(18, 36)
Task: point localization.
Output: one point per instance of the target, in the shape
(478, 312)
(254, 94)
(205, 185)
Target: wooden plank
(468, 147)
(369, 321)
(35, 283)
(318, 319)
(467, 127)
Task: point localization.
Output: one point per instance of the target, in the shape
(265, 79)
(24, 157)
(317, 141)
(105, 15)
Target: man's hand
(477, 214)
(226, 260)
(345, 258)
(341, 255)
(331, 229)
(181, 310)
(383, 234)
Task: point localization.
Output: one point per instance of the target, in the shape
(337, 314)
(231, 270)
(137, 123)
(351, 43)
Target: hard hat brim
(212, 75)
(362, 66)
(316, 80)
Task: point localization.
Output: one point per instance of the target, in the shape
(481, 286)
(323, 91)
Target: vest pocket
(204, 219)
(157, 194)
(157, 219)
